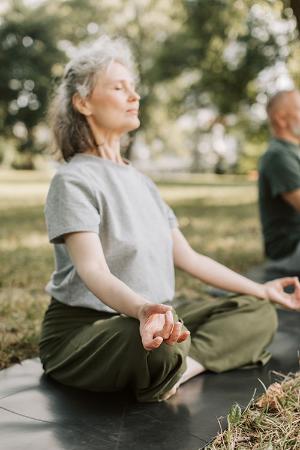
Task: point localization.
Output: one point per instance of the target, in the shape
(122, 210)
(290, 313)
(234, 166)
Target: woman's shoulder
(146, 179)
(150, 185)
(68, 177)
(71, 170)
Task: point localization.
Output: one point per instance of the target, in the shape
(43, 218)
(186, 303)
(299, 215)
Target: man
(279, 185)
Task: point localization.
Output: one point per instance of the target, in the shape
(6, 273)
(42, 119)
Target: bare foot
(171, 392)
(193, 368)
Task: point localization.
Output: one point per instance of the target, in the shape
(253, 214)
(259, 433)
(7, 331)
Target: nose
(133, 95)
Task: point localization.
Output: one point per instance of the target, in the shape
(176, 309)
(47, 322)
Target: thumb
(153, 343)
(297, 288)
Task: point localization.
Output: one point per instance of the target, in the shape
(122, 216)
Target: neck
(285, 135)
(108, 145)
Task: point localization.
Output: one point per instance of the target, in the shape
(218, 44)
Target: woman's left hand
(274, 291)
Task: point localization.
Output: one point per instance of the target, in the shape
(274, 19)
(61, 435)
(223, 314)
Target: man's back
(279, 172)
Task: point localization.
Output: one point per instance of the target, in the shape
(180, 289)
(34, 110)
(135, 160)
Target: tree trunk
(295, 5)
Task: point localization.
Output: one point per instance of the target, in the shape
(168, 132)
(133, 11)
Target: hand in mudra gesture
(157, 325)
(274, 291)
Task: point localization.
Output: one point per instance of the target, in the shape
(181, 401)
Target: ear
(81, 104)
(279, 119)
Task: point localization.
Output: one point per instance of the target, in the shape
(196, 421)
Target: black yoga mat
(37, 413)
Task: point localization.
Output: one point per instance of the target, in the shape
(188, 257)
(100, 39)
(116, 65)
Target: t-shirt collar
(287, 142)
(102, 160)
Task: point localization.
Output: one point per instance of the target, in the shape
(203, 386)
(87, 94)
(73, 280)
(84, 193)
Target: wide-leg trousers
(101, 351)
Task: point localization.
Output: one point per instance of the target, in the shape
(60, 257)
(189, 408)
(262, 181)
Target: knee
(168, 358)
(266, 317)
(271, 316)
(161, 362)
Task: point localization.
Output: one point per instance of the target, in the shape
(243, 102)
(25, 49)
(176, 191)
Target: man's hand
(274, 291)
(157, 326)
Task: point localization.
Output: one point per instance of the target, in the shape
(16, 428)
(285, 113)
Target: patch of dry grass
(272, 422)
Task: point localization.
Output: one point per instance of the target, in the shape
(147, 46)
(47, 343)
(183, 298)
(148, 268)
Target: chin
(133, 125)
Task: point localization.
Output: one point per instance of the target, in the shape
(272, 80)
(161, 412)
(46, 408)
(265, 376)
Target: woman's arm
(156, 320)
(210, 271)
(215, 274)
(87, 255)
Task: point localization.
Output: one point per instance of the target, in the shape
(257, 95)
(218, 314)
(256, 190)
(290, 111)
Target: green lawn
(217, 214)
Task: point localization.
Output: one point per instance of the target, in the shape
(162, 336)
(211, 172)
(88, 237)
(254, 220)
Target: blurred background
(206, 69)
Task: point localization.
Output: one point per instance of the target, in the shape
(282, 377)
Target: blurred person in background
(279, 185)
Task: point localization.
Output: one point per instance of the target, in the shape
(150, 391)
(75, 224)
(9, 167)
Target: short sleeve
(283, 172)
(172, 219)
(70, 207)
(168, 212)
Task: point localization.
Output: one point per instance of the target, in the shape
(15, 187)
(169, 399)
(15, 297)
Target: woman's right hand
(157, 326)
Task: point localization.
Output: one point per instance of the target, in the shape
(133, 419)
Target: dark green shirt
(279, 172)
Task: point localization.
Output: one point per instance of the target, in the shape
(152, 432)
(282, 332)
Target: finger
(168, 325)
(287, 281)
(185, 334)
(297, 283)
(153, 344)
(178, 334)
(175, 334)
(148, 331)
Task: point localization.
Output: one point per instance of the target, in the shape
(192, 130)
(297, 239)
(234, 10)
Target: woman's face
(113, 104)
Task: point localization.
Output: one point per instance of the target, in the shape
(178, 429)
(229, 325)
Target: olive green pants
(100, 351)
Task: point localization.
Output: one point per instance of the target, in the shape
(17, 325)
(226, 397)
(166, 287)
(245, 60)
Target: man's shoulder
(278, 152)
(276, 146)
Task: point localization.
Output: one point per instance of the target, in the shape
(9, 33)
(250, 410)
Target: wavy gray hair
(72, 133)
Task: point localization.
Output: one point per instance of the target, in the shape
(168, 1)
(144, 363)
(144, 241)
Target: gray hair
(71, 131)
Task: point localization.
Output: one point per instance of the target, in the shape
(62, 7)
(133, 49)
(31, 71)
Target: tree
(224, 45)
(191, 55)
(28, 58)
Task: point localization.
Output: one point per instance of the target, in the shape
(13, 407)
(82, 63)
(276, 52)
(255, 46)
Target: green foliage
(28, 54)
(191, 54)
(234, 414)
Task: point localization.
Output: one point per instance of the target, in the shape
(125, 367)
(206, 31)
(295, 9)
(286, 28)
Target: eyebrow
(122, 81)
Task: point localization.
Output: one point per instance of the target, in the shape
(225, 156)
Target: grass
(25, 263)
(271, 422)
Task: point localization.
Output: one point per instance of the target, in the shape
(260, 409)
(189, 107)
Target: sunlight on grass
(32, 240)
(23, 188)
(210, 195)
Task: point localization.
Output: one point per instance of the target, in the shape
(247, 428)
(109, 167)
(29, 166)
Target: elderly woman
(112, 323)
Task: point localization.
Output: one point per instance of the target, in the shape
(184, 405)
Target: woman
(111, 323)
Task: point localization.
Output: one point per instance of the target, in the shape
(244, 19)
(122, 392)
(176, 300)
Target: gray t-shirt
(125, 209)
